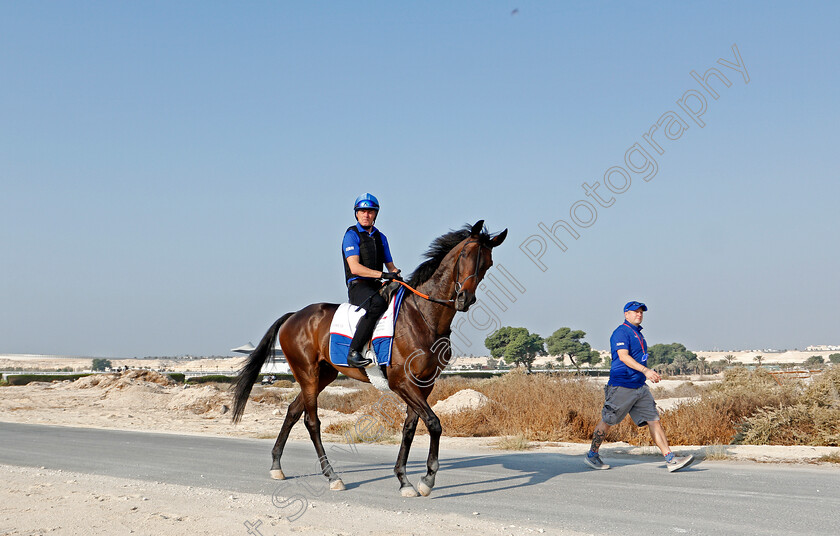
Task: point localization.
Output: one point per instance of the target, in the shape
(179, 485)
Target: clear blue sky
(177, 175)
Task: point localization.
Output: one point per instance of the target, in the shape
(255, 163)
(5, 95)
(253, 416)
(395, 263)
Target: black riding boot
(355, 359)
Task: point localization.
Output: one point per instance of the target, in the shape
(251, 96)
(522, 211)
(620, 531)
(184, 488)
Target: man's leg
(601, 430)
(674, 463)
(658, 436)
(367, 296)
(593, 459)
(617, 403)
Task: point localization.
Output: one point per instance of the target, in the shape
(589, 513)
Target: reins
(447, 303)
(458, 284)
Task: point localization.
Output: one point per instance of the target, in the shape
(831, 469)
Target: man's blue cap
(633, 305)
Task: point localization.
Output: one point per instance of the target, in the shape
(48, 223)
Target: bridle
(458, 284)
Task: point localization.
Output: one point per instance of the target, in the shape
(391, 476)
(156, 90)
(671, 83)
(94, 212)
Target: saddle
(346, 317)
(387, 291)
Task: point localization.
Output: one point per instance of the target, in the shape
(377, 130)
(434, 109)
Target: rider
(365, 252)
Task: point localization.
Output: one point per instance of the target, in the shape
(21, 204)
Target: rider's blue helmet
(366, 201)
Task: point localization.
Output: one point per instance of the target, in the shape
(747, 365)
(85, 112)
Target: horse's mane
(440, 247)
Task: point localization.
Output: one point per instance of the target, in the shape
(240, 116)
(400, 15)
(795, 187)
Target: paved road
(525, 489)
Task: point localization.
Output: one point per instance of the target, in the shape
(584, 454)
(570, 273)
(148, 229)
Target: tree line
(519, 347)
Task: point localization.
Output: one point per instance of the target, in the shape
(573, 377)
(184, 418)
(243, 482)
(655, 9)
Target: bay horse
(455, 265)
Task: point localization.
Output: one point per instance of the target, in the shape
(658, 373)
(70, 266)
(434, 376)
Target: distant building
(822, 348)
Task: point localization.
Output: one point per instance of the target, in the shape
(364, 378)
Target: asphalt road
(542, 490)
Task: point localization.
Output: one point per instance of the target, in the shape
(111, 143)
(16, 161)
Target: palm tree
(729, 358)
(758, 359)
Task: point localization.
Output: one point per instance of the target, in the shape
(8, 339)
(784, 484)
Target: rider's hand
(390, 276)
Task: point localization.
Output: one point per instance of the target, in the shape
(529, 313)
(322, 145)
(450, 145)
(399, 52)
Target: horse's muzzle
(463, 300)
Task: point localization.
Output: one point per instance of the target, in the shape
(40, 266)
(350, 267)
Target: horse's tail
(251, 369)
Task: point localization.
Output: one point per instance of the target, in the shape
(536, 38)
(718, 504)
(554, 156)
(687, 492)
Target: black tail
(251, 369)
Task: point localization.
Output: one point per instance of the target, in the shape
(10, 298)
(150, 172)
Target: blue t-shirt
(350, 244)
(627, 337)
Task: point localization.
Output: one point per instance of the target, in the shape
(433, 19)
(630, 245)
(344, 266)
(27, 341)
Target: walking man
(626, 391)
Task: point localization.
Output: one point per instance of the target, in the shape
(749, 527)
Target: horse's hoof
(337, 485)
(277, 474)
(424, 490)
(408, 491)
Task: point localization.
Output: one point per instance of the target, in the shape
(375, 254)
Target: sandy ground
(40, 501)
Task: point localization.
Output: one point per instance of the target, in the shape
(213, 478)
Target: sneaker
(594, 461)
(678, 463)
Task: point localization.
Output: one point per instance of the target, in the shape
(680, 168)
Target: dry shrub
(708, 421)
(271, 396)
(566, 408)
(715, 416)
(825, 389)
(537, 407)
(813, 420)
(517, 442)
(793, 425)
(365, 395)
(717, 452)
(683, 390)
(834, 457)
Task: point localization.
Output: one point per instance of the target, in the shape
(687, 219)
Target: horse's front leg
(417, 403)
(410, 426)
(432, 464)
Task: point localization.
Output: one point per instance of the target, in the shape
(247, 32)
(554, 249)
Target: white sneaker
(678, 463)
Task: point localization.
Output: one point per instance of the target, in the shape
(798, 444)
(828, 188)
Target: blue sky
(177, 175)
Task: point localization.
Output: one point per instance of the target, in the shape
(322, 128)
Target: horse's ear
(476, 229)
(498, 239)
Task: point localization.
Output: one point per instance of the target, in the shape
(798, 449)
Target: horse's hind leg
(309, 394)
(293, 414)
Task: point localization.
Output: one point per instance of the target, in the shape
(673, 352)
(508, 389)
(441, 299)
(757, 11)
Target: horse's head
(475, 257)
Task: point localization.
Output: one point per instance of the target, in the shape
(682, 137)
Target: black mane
(440, 247)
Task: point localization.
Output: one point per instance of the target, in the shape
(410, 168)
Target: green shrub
(214, 378)
(220, 378)
(23, 379)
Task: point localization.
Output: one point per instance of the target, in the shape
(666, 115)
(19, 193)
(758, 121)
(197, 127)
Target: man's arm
(357, 269)
(650, 374)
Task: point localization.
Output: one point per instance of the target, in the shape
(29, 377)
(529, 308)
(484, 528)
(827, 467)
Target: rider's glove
(388, 276)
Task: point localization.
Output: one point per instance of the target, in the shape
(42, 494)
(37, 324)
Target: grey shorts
(619, 401)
